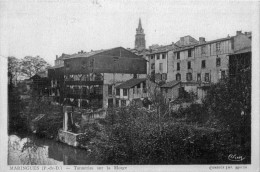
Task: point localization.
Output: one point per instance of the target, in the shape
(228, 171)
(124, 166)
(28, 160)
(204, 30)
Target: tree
(14, 69)
(32, 65)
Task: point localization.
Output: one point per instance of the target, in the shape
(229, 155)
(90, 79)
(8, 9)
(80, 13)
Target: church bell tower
(140, 37)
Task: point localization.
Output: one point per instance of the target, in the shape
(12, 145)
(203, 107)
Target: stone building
(133, 90)
(90, 78)
(158, 59)
(205, 62)
(196, 64)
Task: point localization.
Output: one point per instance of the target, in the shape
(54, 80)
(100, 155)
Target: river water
(39, 151)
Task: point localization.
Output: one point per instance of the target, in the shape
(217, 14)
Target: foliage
(49, 125)
(134, 139)
(209, 133)
(13, 65)
(16, 122)
(32, 65)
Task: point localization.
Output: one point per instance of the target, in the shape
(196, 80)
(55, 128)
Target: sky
(51, 27)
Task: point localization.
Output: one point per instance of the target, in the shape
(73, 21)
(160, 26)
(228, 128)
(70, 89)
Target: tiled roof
(131, 83)
(87, 54)
(161, 49)
(213, 41)
(170, 84)
(186, 47)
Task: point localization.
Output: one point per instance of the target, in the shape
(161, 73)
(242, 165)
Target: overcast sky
(50, 27)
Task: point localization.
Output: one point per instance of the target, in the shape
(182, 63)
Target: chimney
(201, 40)
(56, 57)
(239, 32)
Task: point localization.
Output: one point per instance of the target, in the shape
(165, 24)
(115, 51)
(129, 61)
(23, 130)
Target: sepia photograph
(109, 85)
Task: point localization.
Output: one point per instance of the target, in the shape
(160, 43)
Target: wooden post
(66, 110)
(65, 120)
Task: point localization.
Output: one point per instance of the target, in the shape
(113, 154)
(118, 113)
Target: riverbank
(32, 150)
(204, 133)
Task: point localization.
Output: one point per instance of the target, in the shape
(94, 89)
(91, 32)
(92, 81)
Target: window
(110, 103)
(163, 56)
(178, 55)
(117, 103)
(67, 65)
(109, 89)
(98, 89)
(218, 62)
(152, 66)
(118, 92)
(189, 65)
(203, 63)
(135, 76)
(217, 46)
(76, 90)
(207, 77)
(223, 74)
(84, 90)
(178, 66)
(189, 53)
(203, 49)
(158, 56)
(84, 64)
(166, 90)
(160, 67)
(151, 56)
(164, 76)
(91, 64)
(198, 77)
(158, 77)
(123, 102)
(98, 77)
(189, 76)
(178, 77)
(124, 92)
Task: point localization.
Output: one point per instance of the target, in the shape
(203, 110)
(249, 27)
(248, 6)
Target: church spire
(140, 24)
(139, 30)
(140, 37)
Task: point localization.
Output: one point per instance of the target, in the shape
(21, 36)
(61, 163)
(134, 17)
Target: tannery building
(89, 79)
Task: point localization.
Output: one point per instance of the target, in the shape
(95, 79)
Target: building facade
(158, 59)
(90, 78)
(196, 64)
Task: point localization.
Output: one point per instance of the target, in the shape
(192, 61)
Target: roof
(131, 83)
(87, 54)
(42, 74)
(63, 56)
(192, 41)
(170, 84)
(185, 47)
(92, 53)
(162, 49)
(213, 41)
(56, 66)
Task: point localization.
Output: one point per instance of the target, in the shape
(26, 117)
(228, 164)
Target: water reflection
(37, 151)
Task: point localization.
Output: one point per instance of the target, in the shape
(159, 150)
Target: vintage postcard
(140, 85)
